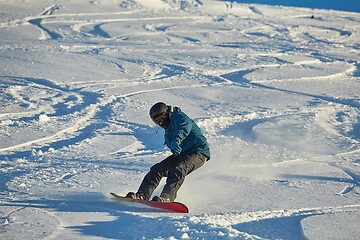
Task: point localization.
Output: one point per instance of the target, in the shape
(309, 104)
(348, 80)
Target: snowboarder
(190, 150)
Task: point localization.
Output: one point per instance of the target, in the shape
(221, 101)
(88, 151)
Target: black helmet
(158, 114)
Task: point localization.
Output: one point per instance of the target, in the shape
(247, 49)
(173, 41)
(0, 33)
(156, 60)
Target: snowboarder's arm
(183, 126)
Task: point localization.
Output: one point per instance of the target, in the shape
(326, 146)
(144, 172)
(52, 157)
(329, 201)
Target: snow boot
(138, 195)
(160, 199)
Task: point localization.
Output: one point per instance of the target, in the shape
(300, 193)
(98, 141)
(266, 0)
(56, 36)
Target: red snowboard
(166, 206)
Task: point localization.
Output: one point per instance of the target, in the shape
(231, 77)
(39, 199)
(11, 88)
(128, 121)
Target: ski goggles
(159, 119)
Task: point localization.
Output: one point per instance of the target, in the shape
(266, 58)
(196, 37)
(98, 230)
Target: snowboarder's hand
(175, 148)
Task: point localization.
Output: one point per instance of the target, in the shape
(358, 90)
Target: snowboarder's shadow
(126, 222)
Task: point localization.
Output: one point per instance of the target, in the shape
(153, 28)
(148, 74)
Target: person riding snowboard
(190, 150)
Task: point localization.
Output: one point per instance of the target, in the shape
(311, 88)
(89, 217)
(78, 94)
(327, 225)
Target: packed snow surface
(276, 90)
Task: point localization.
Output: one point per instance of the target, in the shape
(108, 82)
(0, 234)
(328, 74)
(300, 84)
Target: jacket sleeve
(183, 126)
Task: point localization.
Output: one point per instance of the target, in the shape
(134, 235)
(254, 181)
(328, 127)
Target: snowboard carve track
(87, 109)
(247, 59)
(354, 179)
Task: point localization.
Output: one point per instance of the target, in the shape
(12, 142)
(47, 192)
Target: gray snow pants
(175, 168)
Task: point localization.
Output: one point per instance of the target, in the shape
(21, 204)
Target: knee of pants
(155, 168)
(176, 175)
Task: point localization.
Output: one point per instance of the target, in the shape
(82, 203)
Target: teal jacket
(188, 135)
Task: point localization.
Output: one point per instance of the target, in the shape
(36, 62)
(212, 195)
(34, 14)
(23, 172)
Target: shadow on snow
(128, 223)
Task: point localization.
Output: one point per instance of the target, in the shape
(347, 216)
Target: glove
(175, 148)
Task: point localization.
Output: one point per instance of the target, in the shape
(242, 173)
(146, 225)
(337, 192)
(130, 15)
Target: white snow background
(275, 90)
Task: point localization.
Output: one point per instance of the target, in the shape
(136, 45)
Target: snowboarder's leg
(154, 176)
(176, 176)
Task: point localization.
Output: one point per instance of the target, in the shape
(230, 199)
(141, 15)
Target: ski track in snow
(275, 90)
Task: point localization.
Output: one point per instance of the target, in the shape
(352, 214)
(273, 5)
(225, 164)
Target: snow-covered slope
(275, 89)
